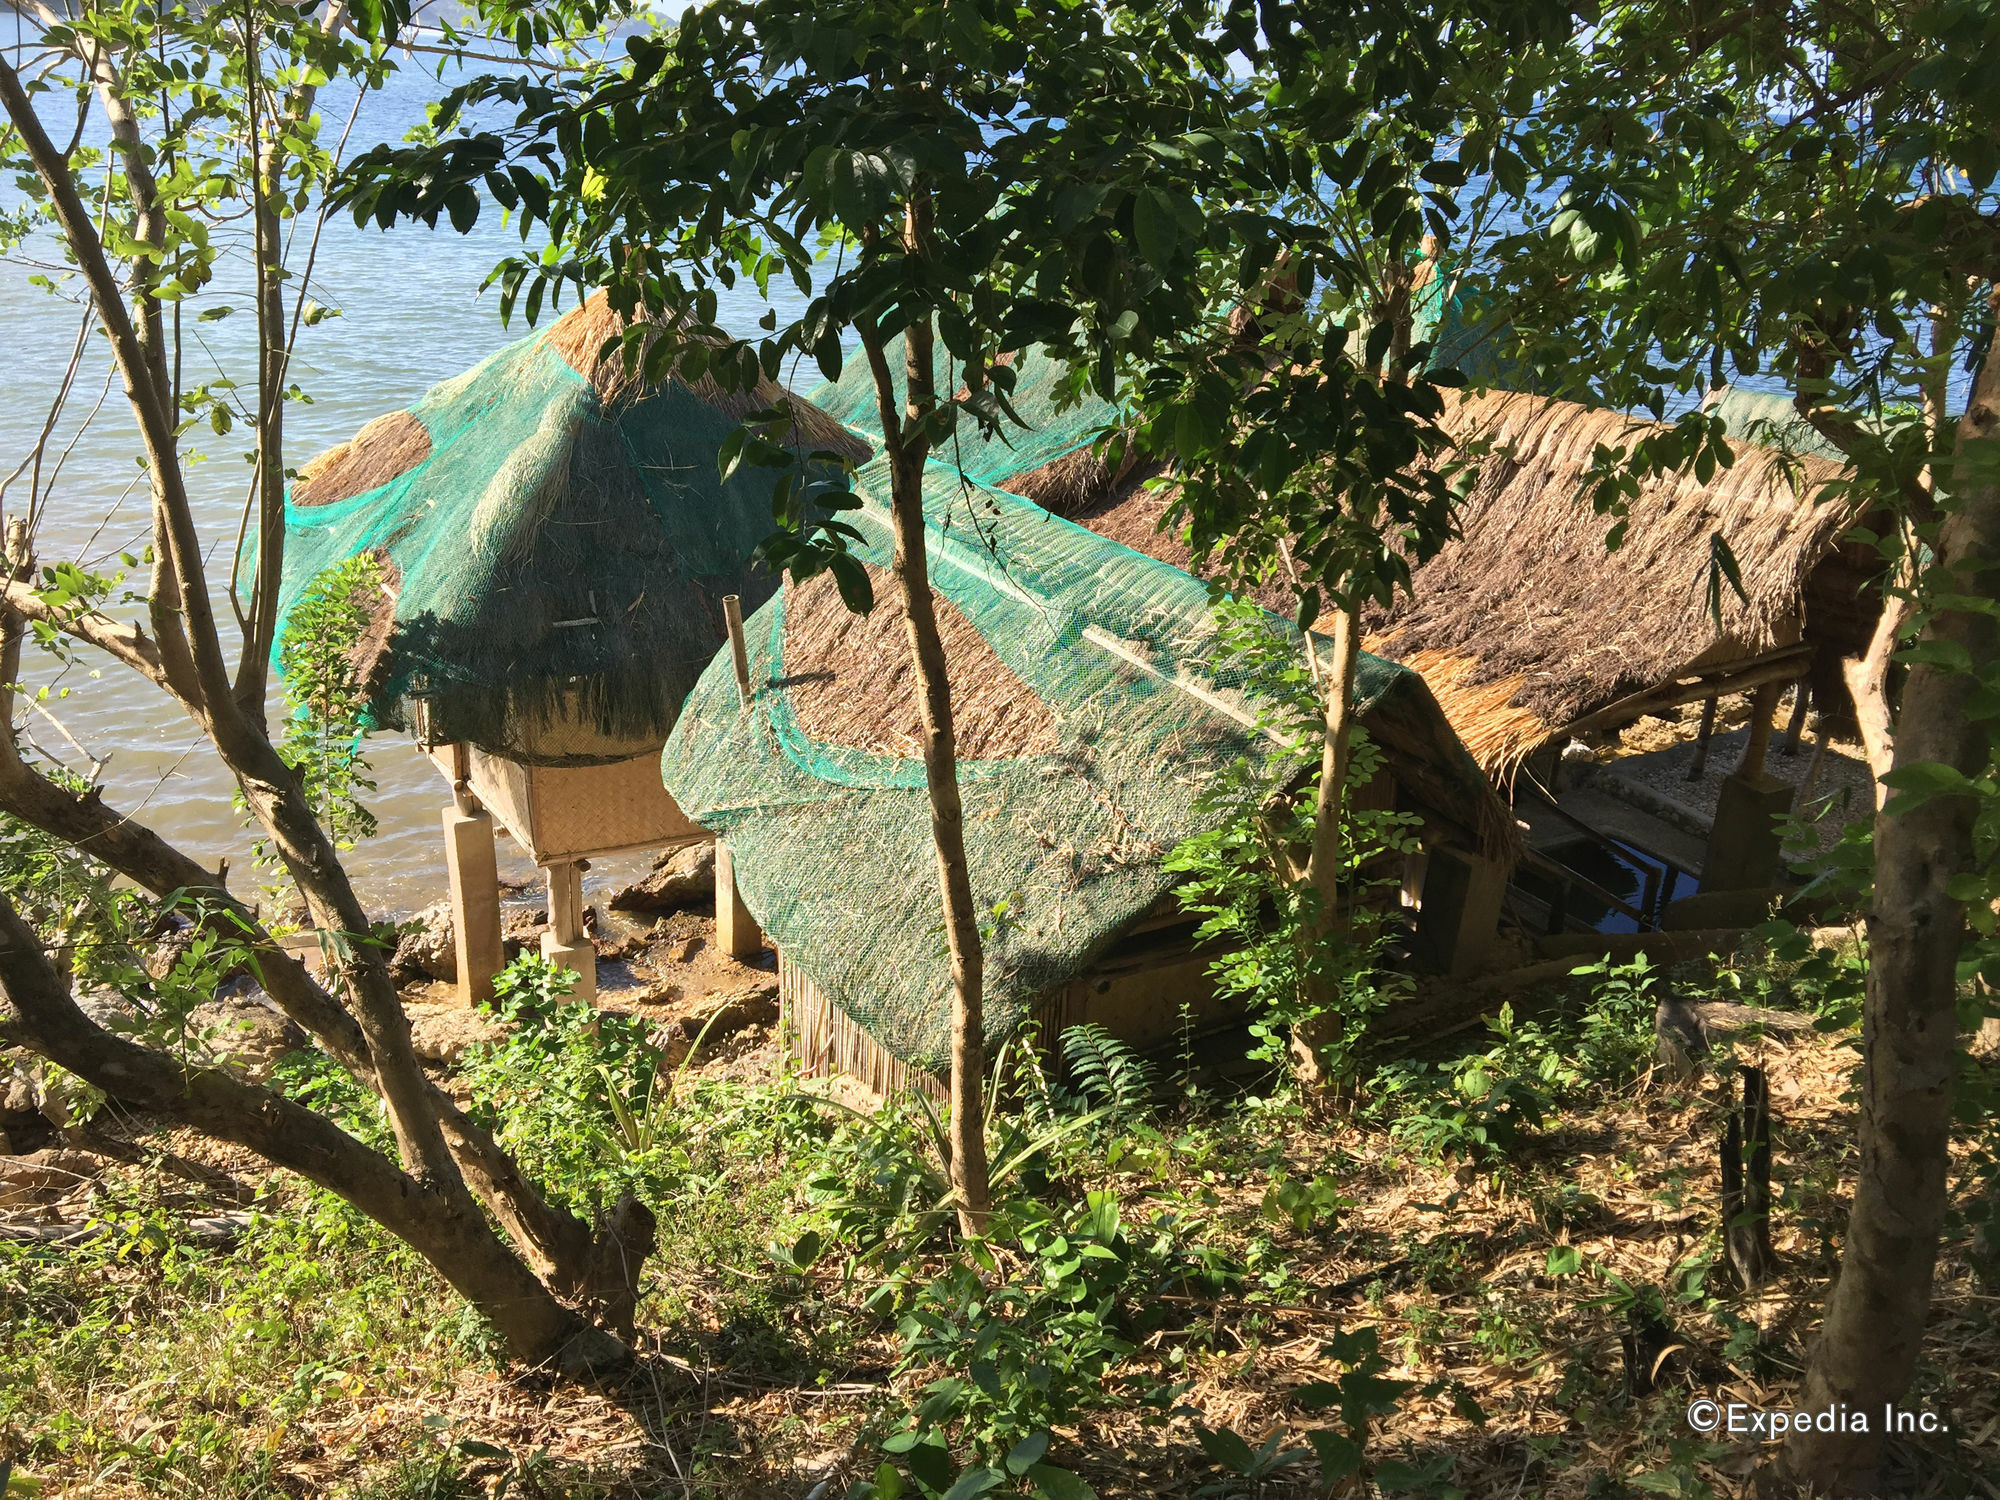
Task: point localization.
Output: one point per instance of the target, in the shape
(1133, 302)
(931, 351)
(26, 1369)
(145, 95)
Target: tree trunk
(445, 1229)
(907, 438)
(1324, 866)
(1868, 1345)
(190, 665)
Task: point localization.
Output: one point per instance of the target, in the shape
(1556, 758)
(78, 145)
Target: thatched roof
(1525, 624)
(1093, 710)
(557, 540)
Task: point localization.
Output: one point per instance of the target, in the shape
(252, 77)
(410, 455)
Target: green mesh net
(832, 842)
(557, 558)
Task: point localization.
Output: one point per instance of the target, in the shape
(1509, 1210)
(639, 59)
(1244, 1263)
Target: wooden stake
(739, 652)
(1746, 1195)
(1700, 762)
(1762, 709)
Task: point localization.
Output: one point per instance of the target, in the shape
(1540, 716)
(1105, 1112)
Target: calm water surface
(411, 314)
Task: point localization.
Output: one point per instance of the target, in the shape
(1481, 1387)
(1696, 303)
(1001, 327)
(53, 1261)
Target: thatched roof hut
(557, 543)
(1092, 714)
(1526, 627)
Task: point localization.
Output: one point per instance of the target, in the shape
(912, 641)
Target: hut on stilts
(1529, 632)
(556, 549)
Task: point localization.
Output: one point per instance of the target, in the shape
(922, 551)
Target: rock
(44, 1176)
(429, 949)
(22, 1097)
(725, 1015)
(685, 950)
(245, 1031)
(681, 877)
(109, 1009)
(441, 1033)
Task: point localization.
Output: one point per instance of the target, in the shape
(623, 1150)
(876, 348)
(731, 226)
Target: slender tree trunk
(1323, 867)
(268, 487)
(189, 662)
(444, 1228)
(908, 442)
(1868, 1345)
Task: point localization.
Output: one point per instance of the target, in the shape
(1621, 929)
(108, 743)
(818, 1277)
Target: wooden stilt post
(736, 930)
(566, 942)
(1763, 708)
(473, 872)
(1801, 701)
(1699, 765)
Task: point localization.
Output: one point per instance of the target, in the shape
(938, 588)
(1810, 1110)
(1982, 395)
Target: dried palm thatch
(1075, 481)
(590, 339)
(384, 449)
(1525, 623)
(852, 683)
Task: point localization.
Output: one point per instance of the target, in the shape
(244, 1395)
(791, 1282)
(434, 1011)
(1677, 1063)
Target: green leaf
(1924, 782)
(1339, 1455)
(851, 578)
(1156, 226)
(973, 1483)
(1565, 1260)
(1059, 1484)
(1025, 1454)
(1226, 1449)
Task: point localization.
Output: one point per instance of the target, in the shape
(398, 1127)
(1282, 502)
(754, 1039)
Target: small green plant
(325, 700)
(1307, 1204)
(1302, 977)
(576, 1093)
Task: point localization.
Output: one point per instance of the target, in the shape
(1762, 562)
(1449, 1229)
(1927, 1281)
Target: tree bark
(192, 668)
(1324, 865)
(907, 440)
(1868, 1345)
(445, 1229)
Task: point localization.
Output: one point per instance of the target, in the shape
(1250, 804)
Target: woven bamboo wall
(821, 1038)
(573, 812)
(1144, 993)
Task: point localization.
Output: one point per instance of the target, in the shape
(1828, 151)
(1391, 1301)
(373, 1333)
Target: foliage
(90, 920)
(1247, 878)
(566, 1088)
(325, 700)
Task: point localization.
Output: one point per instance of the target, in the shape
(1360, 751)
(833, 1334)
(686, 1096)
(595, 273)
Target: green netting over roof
(833, 843)
(559, 545)
(1040, 389)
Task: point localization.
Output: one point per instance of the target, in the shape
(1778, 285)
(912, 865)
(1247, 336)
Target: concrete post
(566, 942)
(1459, 917)
(736, 931)
(474, 872)
(1744, 849)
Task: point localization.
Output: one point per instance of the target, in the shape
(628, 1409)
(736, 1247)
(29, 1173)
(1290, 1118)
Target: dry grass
(852, 681)
(582, 337)
(384, 449)
(1078, 480)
